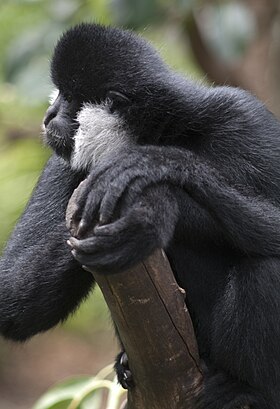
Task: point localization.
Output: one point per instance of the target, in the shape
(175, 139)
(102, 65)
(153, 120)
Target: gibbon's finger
(113, 196)
(80, 198)
(103, 262)
(115, 227)
(128, 184)
(90, 245)
(90, 212)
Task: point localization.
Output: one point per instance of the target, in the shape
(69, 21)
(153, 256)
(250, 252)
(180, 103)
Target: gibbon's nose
(50, 114)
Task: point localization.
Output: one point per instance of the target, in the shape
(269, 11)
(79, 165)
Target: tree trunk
(150, 313)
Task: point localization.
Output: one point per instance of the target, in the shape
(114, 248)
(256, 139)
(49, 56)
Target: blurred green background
(223, 42)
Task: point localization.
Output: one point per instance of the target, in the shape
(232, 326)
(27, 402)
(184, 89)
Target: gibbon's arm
(249, 221)
(40, 281)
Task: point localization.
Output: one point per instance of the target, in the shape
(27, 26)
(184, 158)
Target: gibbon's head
(110, 84)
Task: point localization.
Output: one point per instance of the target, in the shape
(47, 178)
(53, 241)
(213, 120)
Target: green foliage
(19, 169)
(136, 14)
(85, 393)
(15, 18)
(220, 28)
(92, 316)
(21, 157)
(29, 30)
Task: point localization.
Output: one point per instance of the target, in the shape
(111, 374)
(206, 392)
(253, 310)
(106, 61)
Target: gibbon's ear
(117, 100)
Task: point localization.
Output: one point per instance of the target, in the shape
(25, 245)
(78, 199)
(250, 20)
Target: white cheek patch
(100, 134)
(53, 95)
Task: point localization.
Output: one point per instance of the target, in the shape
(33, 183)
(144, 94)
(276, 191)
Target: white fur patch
(100, 134)
(53, 95)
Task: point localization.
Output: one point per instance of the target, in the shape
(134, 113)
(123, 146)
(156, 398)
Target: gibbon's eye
(68, 98)
(118, 99)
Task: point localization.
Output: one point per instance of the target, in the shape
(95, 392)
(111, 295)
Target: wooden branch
(149, 311)
(155, 328)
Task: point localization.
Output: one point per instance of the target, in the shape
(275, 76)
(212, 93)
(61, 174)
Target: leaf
(61, 395)
(93, 401)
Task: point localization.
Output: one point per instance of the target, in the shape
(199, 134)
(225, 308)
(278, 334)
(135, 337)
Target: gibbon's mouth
(60, 139)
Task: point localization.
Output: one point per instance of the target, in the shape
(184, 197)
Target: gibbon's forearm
(133, 171)
(40, 282)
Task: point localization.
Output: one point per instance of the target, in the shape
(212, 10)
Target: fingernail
(81, 228)
(124, 360)
(69, 243)
(86, 269)
(73, 241)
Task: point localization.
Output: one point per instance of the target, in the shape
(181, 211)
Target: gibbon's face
(104, 77)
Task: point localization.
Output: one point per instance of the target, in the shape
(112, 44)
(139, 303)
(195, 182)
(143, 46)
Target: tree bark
(149, 311)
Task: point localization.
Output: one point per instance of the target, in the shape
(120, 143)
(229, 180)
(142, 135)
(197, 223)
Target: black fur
(40, 281)
(203, 182)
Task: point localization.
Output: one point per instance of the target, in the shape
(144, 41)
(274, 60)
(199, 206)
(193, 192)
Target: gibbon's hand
(117, 184)
(119, 245)
(142, 222)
